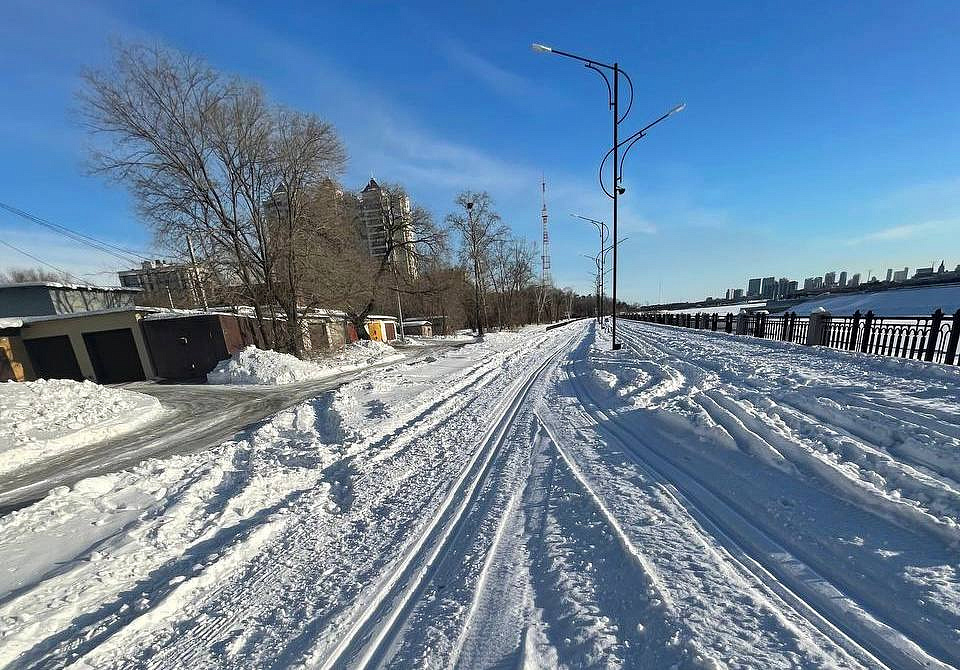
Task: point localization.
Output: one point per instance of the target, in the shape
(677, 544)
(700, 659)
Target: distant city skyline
(780, 286)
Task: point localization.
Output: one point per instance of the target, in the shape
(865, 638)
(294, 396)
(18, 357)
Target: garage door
(53, 358)
(114, 356)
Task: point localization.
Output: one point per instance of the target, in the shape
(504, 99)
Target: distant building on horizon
(923, 272)
(854, 280)
(783, 288)
(843, 279)
(161, 277)
(753, 288)
(738, 294)
(889, 274)
(382, 214)
(901, 275)
(768, 287)
(830, 280)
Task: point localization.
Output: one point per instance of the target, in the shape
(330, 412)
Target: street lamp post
(597, 282)
(613, 101)
(604, 233)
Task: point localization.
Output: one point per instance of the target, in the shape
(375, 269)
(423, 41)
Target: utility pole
(396, 279)
(200, 291)
(478, 294)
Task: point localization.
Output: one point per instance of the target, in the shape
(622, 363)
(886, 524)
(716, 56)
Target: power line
(126, 255)
(43, 262)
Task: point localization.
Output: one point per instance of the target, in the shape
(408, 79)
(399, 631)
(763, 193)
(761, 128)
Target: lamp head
(679, 108)
(540, 48)
(621, 190)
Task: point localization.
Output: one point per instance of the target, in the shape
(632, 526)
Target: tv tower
(545, 256)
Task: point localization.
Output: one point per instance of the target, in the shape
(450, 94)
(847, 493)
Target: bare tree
(478, 226)
(18, 275)
(511, 272)
(206, 154)
(411, 240)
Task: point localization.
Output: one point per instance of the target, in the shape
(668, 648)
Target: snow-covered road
(535, 500)
(194, 417)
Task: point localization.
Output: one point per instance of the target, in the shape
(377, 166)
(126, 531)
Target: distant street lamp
(613, 101)
(604, 233)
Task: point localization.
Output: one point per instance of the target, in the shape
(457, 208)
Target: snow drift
(40, 419)
(265, 366)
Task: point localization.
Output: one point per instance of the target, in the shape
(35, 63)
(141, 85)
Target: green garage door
(114, 356)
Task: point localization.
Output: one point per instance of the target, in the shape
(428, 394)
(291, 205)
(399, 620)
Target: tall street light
(604, 233)
(599, 278)
(613, 102)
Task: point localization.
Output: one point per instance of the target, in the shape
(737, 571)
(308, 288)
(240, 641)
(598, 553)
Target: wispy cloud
(506, 83)
(905, 231)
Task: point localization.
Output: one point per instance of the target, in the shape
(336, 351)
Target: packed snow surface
(532, 500)
(264, 366)
(42, 418)
(920, 301)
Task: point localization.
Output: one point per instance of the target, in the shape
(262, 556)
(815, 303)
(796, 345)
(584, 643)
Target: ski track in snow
(694, 500)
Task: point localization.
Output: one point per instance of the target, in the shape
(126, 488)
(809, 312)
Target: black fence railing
(931, 338)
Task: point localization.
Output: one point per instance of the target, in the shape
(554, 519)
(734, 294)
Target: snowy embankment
(915, 301)
(41, 419)
(264, 366)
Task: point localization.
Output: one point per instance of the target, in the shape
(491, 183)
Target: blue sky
(817, 136)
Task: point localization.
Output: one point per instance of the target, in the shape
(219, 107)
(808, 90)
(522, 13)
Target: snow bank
(264, 366)
(40, 419)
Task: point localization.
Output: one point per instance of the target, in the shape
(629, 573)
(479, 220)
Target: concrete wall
(25, 301)
(41, 300)
(75, 327)
(71, 301)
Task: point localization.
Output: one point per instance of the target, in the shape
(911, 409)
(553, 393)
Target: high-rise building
(783, 288)
(901, 275)
(889, 274)
(843, 279)
(730, 293)
(753, 288)
(854, 280)
(382, 215)
(768, 287)
(830, 279)
(738, 294)
(792, 288)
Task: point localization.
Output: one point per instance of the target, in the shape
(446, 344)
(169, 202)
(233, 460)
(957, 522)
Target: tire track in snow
(260, 583)
(906, 490)
(369, 639)
(259, 577)
(809, 593)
